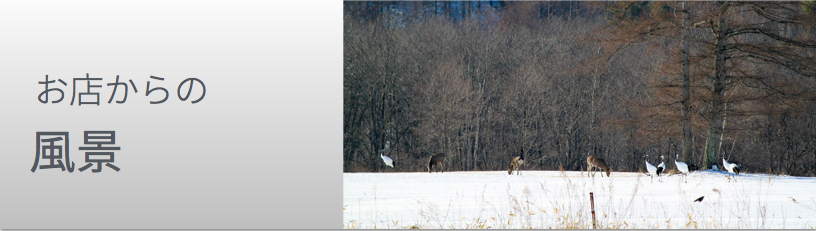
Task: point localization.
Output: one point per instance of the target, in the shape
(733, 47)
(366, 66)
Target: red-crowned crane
(651, 168)
(661, 168)
(388, 161)
(732, 168)
(682, 167)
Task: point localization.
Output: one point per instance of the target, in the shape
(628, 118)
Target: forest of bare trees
(482, 81)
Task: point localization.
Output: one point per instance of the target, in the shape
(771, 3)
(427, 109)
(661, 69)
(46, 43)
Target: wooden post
(592, 202)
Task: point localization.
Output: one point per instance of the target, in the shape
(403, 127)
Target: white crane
(388, 161)
(651, 168)
(732, 168)
(682, 167)
(661, 168)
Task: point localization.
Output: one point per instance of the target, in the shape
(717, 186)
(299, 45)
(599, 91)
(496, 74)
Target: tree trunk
(717, 103)
(478, 127)
(686, 108)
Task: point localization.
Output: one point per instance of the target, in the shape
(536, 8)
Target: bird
(651, 168)
(682, 167)
(732, 168)
(388, 161)
(699, 199)
(661, 168)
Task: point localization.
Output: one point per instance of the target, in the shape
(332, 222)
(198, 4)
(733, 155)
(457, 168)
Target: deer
(516, 164)
(597, 162)
(438, 158)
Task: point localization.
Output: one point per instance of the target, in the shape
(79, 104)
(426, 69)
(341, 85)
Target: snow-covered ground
(553, 199)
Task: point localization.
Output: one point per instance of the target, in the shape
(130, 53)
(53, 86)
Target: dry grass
(531, 209)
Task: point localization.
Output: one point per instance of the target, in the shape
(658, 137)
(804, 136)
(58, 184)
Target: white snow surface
(554, 199)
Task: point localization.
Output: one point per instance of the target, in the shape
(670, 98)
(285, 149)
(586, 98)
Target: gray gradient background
(261, 151)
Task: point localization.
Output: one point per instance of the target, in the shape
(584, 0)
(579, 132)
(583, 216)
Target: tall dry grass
(567, 207)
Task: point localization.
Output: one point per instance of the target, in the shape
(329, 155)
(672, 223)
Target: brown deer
(438, 158)
(516, 164)
(597, 162)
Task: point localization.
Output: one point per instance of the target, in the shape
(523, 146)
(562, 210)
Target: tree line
(559, 81)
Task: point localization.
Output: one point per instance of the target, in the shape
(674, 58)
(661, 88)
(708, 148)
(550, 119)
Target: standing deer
(438, 158)
(516, 164)
(597, 162)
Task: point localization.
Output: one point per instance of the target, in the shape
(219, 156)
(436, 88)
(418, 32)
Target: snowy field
(553, 199)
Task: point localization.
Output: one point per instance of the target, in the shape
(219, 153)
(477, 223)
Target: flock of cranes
(683, 169)
(593, 162)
